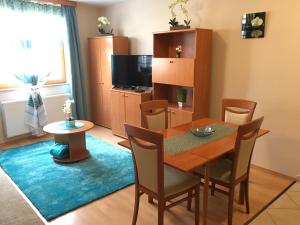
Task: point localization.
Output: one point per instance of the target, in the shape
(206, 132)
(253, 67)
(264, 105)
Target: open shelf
(174, 105)
(166, 91)
(166, 43)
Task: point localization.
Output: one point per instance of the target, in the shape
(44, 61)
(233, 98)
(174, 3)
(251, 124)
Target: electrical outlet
(298, 177)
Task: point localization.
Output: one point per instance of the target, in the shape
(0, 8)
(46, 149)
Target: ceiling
(99, 2)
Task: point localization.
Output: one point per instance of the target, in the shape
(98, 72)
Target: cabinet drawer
(173, 71)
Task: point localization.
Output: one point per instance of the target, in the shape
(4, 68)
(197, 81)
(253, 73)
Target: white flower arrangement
(178, 49)
(67, 109)
(104, 25)
(103, 21)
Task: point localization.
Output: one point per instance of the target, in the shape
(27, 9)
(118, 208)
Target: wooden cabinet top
(182, 31)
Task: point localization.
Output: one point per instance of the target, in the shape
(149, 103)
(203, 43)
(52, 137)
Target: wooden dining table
(201, 155)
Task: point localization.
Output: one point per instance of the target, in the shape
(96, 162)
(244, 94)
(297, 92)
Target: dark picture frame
(253, 25)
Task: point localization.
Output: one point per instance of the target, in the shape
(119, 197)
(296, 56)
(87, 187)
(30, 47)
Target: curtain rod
(58, 2)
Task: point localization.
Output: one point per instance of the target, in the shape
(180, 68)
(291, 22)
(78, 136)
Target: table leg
(205, 192)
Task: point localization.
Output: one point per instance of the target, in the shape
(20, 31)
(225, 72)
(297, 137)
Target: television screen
(132, 70)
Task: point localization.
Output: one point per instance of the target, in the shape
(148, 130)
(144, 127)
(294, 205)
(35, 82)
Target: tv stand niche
(125, 108)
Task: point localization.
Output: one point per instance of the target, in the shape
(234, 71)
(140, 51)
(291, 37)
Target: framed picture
(253, 25)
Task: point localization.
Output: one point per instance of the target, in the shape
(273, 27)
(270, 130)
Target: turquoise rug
(54, 188)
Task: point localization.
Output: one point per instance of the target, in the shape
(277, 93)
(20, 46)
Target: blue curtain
(78, 87)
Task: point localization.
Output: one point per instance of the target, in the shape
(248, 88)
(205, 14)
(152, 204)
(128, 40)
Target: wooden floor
(117, 208)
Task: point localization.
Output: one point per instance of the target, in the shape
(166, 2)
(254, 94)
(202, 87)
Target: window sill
(17, 93)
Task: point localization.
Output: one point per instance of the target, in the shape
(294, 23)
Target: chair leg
(136, 205)
(230, 205)
(242, 193)
(161, 209)
(189, 202)
(150, 199)
(247, 196)
(213, 187)
(197, 205)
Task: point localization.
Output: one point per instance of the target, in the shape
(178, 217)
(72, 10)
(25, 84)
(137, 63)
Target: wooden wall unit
(100, 51)
(191, 71)
(126, 109)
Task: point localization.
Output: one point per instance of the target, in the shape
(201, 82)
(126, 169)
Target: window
(32, 42)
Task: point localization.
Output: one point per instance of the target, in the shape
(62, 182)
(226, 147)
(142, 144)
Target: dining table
(191, 152)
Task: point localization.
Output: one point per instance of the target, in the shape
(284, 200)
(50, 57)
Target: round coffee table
(74, 137)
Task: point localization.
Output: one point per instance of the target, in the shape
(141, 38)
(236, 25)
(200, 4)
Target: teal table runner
(64, 126)
(186, 141)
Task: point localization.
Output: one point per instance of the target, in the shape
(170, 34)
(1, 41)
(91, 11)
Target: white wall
(264, 70)
(87, 27)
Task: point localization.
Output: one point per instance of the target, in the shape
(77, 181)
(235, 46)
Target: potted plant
(67, 109)
(104, 26)
(173, 22)
(181, 96)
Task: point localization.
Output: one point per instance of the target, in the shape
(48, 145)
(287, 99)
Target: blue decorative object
(60, 151)
(55, 189)
(65, 126)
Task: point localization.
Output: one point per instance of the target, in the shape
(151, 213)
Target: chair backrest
(237, 111)
(147, 149)
(244, 145)
(155, 114)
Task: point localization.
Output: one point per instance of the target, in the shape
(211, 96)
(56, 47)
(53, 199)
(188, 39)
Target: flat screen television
(132, 70)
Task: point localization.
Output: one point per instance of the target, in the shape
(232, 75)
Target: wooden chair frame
(245, 132)
(151, 108)
(152, 140)
(238, 103)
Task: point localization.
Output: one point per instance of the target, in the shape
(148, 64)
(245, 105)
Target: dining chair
(238, 111)
(152, 177)
(155, 114)
(229, 173)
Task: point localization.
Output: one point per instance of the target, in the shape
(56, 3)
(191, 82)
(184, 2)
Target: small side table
(75, 138)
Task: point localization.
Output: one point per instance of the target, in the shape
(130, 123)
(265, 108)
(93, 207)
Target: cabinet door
(117, 113)
(105, 61)
(97, 102)
(173, 71)
(94, 60)
(179, 117)
(132, 109)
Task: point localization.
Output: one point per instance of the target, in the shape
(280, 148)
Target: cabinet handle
(125, 96)
(172, 112)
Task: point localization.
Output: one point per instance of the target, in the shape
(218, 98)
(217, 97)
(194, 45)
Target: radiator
(13, 114)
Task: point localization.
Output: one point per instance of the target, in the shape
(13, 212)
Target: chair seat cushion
(177, 181)
(220, 170)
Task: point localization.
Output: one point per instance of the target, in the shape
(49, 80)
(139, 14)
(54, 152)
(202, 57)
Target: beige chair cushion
(146, 162)
(156, 122)
(221, 170)
(176, 181)
(239, 118)
(245, 151)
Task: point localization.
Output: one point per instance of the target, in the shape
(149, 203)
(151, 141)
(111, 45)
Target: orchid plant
(67, 109)
(183, 8)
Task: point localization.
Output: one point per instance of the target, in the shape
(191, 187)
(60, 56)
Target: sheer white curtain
(32, 35)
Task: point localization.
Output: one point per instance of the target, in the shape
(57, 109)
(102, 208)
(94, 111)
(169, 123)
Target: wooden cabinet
(126, 109)
(173, 71)
(100, 51)
(178, 117)
(191, 71)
